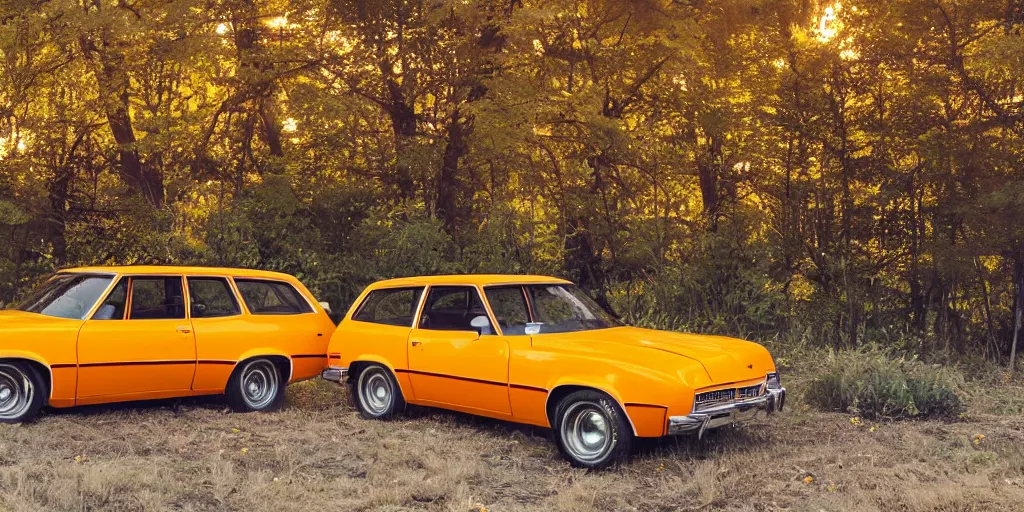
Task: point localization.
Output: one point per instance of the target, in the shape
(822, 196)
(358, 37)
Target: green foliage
(873, 384)
(775, 170)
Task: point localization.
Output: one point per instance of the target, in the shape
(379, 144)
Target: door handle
(184, 330)
(416, 343)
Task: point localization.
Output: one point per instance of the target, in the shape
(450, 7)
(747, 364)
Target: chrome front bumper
(727, 414)
(334, 374)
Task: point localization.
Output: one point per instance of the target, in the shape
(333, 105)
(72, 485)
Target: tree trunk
(113, 83)
(1018, 305)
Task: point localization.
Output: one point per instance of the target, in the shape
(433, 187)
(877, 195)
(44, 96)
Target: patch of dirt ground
(318, 454)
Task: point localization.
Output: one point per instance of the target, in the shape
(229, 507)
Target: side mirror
(481, 324)
(326, 306)
(106, 312)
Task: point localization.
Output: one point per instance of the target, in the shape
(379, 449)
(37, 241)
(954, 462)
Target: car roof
(174, 269)
(474, 279)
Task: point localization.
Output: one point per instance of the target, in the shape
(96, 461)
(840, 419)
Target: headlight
(773, 381)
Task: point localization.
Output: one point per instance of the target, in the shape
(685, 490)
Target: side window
(395, 306)
(509, 306)
(453, 308)
(113, 307)
(156, 298)
(272, 297)
(211, 297)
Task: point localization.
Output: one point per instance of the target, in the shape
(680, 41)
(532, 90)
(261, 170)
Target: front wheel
(377, 394)
(592, 431)
(256, 385)
(22, 392)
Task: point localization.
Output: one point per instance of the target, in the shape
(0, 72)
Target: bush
(874, 385)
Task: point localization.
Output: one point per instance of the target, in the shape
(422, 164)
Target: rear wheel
(376, 393)
(256, 385)
(22, 392)
(592, 431)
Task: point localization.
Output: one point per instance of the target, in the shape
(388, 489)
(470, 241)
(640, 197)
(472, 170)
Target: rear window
(393, 306)
(272, 297)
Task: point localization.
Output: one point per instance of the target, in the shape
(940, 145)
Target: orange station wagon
(537, 350)
(111, 334)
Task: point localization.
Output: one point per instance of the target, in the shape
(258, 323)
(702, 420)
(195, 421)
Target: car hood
(725, 359)
(14, 320)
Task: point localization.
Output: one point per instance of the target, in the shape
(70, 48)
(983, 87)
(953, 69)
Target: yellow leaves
(235, 431)
(808, 480)
(873, 428)
(978, 439)
(244, 451)
(856, 421)
(80, 459)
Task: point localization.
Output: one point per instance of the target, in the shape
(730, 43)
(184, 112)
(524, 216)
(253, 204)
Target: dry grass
(318, 454)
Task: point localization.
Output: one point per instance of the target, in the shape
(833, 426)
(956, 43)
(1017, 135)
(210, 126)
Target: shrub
(872, 384)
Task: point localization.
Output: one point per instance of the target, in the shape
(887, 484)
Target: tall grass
(873, 384)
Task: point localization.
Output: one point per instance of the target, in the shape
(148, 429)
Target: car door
(451, 362)
(139, 343)
(222, 334)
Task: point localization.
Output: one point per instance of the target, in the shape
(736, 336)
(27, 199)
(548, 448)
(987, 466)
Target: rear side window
(272, 297)
(211, 297)
(394, 306)
(155, 298)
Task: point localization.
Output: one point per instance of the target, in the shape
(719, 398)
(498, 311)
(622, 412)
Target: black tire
(23, 392)
(591, 430)
(376, 393)
(256, 385)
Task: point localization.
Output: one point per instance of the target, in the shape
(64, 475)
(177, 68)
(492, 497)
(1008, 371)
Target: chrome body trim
(727, 414)
(334, 374)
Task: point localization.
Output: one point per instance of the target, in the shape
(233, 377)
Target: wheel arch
(36, 362)
(563, 390)
(280, 359)
(359, 363)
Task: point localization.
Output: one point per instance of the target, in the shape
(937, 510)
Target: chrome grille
(708, 398)
(750, 392)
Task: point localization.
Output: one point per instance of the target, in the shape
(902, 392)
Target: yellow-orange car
(111, 334)
(537, 350)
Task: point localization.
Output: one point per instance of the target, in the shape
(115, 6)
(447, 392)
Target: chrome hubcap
(586, 431)
(259, 383)
(16, 392)
(375, 393)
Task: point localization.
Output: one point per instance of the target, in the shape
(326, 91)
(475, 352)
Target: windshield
(66, 295)
(555, 308)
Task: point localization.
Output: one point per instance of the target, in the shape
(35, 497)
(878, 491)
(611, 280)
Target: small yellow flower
(235, 431)
(808, 479)
(831, 487)
(978, 439)
(856, 421)
(873, 428)
(80, 459)
(245, 451)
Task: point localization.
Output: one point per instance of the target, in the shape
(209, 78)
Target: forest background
(817, 174)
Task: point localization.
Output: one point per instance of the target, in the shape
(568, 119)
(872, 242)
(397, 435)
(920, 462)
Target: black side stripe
(309, 356)
(651, 406)
(137, 363)
(468, 379)
(63, 365)
(528, 388)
